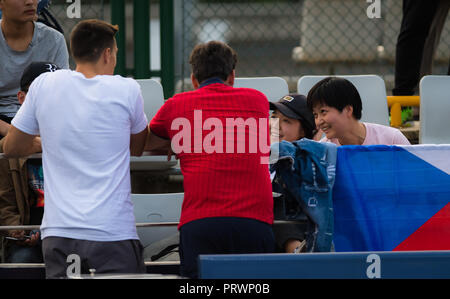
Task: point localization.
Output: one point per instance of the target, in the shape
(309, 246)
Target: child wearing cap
(21, 187)
(295, 121)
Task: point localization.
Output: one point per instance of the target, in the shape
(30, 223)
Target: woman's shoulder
(380, 134)
(378, 127)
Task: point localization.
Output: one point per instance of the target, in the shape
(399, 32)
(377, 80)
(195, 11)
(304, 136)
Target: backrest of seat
(434, 110)
(153, 94)
(371, 88)
(273, 87)
(162, 207)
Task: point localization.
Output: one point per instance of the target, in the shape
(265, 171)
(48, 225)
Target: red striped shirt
(231, 182)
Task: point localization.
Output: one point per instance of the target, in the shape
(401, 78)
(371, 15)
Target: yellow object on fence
(396, 103)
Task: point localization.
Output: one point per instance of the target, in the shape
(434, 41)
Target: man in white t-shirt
(337, 109)
(89, 122)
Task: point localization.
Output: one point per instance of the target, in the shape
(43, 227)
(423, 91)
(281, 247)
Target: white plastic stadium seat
(371, 88)
(273, 87)
(434, 109)
(156, 208)
(153, 94)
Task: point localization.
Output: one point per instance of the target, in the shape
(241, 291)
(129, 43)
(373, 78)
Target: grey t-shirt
(47, 45)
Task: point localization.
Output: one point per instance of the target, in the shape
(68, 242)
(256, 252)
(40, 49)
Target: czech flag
(392, 198)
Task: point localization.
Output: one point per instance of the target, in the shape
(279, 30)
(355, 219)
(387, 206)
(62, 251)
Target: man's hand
(24, 241)
(169, 155)
(37, 145)
(18, 144)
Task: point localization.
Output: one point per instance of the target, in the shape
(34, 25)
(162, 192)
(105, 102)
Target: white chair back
(371, 88)
(153, 94)
(273, 87)
(434, 110)
(156, 208)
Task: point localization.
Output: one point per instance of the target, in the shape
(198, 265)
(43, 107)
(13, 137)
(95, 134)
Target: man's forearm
(155, 142)
(19, 144)
(4, 128)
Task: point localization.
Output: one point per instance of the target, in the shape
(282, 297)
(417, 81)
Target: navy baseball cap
(294, 106)
(33, 71)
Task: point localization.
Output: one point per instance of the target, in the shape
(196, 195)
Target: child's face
(290, 129)
(330, 120)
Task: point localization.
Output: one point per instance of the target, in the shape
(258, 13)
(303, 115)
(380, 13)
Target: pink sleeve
(400, 139)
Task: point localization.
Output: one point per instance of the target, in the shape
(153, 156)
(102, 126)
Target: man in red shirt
(221, 136)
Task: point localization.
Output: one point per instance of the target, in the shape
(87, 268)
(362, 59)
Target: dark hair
(90, 38)
(212, 59)
(335, 92)
(309, 132)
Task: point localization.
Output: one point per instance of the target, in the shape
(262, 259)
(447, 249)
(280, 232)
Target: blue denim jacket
(305, 174)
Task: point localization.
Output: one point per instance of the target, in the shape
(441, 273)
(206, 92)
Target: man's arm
(155, 142)
(4, 128)
(137, 143)
(19, 144)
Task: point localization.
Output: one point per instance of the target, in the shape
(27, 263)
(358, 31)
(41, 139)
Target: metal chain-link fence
(304, 37)
(287, 38)
(66, 15)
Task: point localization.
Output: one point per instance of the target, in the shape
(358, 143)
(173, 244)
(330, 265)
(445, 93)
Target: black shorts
(119, 257)
(222, 235)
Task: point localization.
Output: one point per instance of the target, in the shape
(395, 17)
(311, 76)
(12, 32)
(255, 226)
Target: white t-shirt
(378, 134)
(85, 126)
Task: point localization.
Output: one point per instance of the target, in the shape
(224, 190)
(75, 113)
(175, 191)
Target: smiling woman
(337, 109)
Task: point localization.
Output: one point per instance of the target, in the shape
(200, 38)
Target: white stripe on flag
(436, 155)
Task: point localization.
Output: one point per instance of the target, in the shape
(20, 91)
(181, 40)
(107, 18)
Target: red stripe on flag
(433, 235)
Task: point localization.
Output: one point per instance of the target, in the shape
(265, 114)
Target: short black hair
(212, 59)
(337, 93)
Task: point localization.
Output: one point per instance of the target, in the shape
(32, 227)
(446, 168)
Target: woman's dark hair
(309, 131)
(335, 92)
(212, 59)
